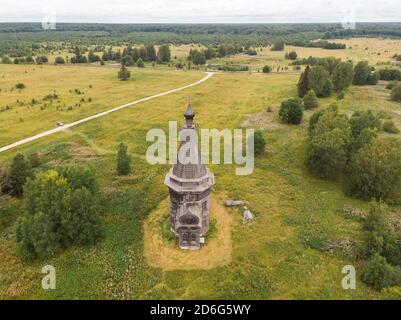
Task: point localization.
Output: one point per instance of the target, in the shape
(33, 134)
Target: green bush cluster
(61, 209)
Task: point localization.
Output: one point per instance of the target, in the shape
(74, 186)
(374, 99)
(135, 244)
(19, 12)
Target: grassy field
(277, 256)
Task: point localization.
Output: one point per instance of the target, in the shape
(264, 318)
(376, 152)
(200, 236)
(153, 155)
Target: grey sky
(201, 11)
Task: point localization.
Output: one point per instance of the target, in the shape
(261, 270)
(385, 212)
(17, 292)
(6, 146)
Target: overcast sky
(201, 11)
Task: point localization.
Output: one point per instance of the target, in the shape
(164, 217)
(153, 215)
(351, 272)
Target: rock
(248, 216)
(233, 203)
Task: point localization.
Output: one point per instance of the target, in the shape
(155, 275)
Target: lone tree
(343, 76)
(310, 100)
(303, 83)
(259, 142)
(291, 111)
(20, 171)
(140, 63)
(278, 45)
(124, 74)
(123, 160)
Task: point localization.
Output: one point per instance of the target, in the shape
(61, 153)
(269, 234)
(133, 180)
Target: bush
(396, 93)
(56, 216)
(391, 85)
(314, 119)
(326, 153)
(42, 59)
(140, 63)
(341, 95)
(303, 83)
(127, 61)
(363, 119)
(363, 74)
(259, 142)
(266, 69)
(291, 111)
(390, 74)
(123, 160)
(124, 74)
(278, 45)
(366, 136)
(20, 85)
(375, 170)
(320, 82)
(327, 149)
(389, 126)
(379, 274)
(373, 79)
(343, 75)
(310, 100)
(59, 60)
(20, 171)
(291, 55)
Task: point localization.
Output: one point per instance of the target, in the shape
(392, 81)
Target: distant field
(273, 257)
(99, 89)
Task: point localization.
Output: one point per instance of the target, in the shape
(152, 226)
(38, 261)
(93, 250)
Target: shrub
(56, 216)
(303, 83)
(326, 153)
(396, 93)
(123, 160)
(319, 81)
(127, 61)
(390, 74)
(291, 55)
(363, 119)
(341, 95)
(389, 126)
(20, 85)
(343, 75)
(140, 63)
(310, 100)
(362, 73)
(259, 142)
(6, 60)
(366, 136)
(327, 149)
(164, 54)
(291, 111)
(59, 60)
(379, 274)
(373, 78)
(314, 119)
(41, 59)
(375, 170)
(391, 85)
(124, 74)
(20, 171)
(266, 69)
(278, 45)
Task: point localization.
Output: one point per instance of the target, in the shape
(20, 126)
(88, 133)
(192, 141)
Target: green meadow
(279, 255)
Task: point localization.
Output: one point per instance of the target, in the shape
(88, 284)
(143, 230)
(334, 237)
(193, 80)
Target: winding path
(98, 115)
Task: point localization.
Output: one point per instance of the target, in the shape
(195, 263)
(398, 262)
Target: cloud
(176, 11)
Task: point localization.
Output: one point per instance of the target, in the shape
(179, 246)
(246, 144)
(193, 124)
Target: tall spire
(189, 114)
